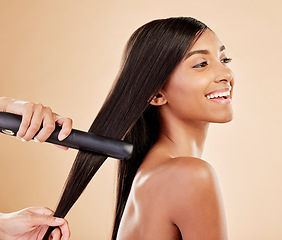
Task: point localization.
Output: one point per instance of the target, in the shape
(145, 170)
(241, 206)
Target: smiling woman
(200, 81)
(172, 85)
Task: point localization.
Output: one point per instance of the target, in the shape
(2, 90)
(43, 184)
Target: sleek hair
(151, 55)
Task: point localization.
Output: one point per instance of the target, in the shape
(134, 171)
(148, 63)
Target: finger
(41, 219)
(66, 124)
(26, 120)
(61, 147)
(41, 210)
(35, 123)
(48, 126)
(65, 230)
(56, 234)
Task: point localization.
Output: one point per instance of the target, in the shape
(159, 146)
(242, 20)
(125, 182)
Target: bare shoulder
(196, 206)
(190, 178)
(190, 171)
(180, 171)
(187, 189)
(177, 177)
(190, 167)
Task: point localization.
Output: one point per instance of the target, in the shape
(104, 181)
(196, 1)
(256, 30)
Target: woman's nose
(223, 73)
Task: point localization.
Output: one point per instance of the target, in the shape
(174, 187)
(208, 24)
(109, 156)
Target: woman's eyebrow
(222, 48)
(203, 51)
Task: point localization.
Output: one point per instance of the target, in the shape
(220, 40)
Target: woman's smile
(200, 88)
(220, 96)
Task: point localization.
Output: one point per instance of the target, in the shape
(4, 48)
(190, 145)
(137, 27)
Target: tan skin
(175, 194)
(32, 223)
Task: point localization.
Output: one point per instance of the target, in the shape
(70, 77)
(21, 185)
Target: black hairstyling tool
(10, 123)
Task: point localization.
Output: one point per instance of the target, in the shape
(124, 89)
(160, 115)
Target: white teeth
(223, 94)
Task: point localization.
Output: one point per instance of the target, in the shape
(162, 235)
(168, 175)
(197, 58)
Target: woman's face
(201, 86)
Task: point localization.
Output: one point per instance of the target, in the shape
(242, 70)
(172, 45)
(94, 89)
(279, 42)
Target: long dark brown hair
(151, 54)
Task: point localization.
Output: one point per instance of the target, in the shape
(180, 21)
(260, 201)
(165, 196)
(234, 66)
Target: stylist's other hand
(33, 115)
(31, 224)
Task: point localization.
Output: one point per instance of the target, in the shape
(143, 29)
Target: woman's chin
(225, 118)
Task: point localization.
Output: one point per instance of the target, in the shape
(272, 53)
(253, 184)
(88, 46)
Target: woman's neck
(182, 139)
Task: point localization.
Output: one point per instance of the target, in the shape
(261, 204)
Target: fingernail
(59, 220)
(23, 140)
(36, 140)
(61, 137)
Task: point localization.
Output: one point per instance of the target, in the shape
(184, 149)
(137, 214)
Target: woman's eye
(201, 65)
(226, 60)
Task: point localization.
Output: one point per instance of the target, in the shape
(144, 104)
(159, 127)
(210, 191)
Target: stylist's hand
(31, 224)
(34, 114)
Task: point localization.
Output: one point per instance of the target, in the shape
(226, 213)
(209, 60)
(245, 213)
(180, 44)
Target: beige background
(65, 54)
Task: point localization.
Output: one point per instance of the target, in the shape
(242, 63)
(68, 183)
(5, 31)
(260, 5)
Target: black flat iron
(10, 123)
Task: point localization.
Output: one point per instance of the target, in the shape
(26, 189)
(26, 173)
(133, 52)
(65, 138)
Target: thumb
(47, 220)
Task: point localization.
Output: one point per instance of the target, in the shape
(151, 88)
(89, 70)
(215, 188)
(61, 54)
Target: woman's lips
(218, 91)
(221, 100)
(220, 96)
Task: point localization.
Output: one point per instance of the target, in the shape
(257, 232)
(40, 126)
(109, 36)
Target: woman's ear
(159, 99)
